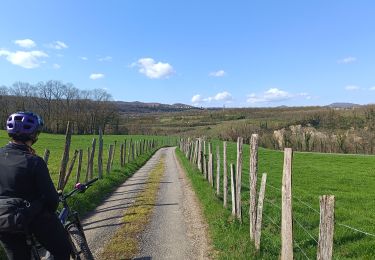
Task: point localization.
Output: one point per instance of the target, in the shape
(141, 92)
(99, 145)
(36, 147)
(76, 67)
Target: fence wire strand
(299, 223)
(305, 230)
(355, 229)
(273, 222)
(303, 252)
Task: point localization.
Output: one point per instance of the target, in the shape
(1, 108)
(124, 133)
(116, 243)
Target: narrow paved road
(176, 229)
(103, 222)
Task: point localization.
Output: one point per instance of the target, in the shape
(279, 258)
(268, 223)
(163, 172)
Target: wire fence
(294, 241)
(318, 213)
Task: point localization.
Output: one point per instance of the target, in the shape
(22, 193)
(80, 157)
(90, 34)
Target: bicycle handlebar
(79, 188)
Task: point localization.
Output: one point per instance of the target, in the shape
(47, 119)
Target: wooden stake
(225, 191)
(100, 154)
(210, 169)
(233, 189)
(238, 178)
(253, 183)
(122, 155)
(199, 154)
(46, 156)
(258, 227)
(286, 211)
(109, 163)
(113, 154)
(65, 157)
(217, 171)
(326, 227)
(88, 164)
(80, 155)
(70, 168)
(91, 162)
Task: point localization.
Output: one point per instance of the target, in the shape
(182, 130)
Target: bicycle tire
(79, 243)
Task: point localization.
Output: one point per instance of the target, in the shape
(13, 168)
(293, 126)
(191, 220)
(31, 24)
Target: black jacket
(24, 175)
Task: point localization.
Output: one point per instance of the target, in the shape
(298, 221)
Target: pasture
(351, 178)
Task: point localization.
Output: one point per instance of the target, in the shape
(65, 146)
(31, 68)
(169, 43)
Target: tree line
(58, 102)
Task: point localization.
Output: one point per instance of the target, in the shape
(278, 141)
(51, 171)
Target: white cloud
(347, 60)
(25, 59)
(25, 43)
(351, 87)
(372, 88)
(56, 66)
(219, 73)
(83, 58)
(196, 99)
(223, 96)
(106, 58)
(153, 70)
(95, 76)
(58, 45)
(274, 95)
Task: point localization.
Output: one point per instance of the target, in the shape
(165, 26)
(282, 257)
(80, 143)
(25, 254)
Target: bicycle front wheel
(79, 243)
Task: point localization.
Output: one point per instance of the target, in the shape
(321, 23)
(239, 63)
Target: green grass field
(351, 178)
(55, 143)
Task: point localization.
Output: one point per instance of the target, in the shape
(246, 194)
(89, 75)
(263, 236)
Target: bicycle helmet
(24, 126)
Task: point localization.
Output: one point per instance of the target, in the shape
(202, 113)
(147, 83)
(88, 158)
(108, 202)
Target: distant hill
(343, 105)
(137, 107)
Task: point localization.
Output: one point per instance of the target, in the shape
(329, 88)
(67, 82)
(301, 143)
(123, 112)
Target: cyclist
(25, 175)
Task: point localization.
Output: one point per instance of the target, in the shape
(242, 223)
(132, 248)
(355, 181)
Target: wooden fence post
(195, 157)
(133, 155)
(122, 155)
(199, 154)
(88, 164)
(233, 189)
(80, 155)
(326, 227)
(125, 152)
(113, 154)
(100, 154)
(70, 168)
(286, 211)
(253, 183)
(91, 166)
(238, 178)
(225, 174)
(210, 169)
(205, 166)
(109, 163)
(65, 157)
(46, 156)
(258, 226)
(217, 170)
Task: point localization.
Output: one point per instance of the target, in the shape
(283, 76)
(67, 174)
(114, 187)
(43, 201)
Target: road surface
(176, 229)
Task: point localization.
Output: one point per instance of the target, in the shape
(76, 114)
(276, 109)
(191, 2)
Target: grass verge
(229, 237)
(84, 203)
(124, 244)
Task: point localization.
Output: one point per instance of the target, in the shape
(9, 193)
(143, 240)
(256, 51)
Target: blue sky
(206, 53)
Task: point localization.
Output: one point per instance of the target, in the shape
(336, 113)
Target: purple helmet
(24, 123)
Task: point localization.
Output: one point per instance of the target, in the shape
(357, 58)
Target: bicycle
(72, 225)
